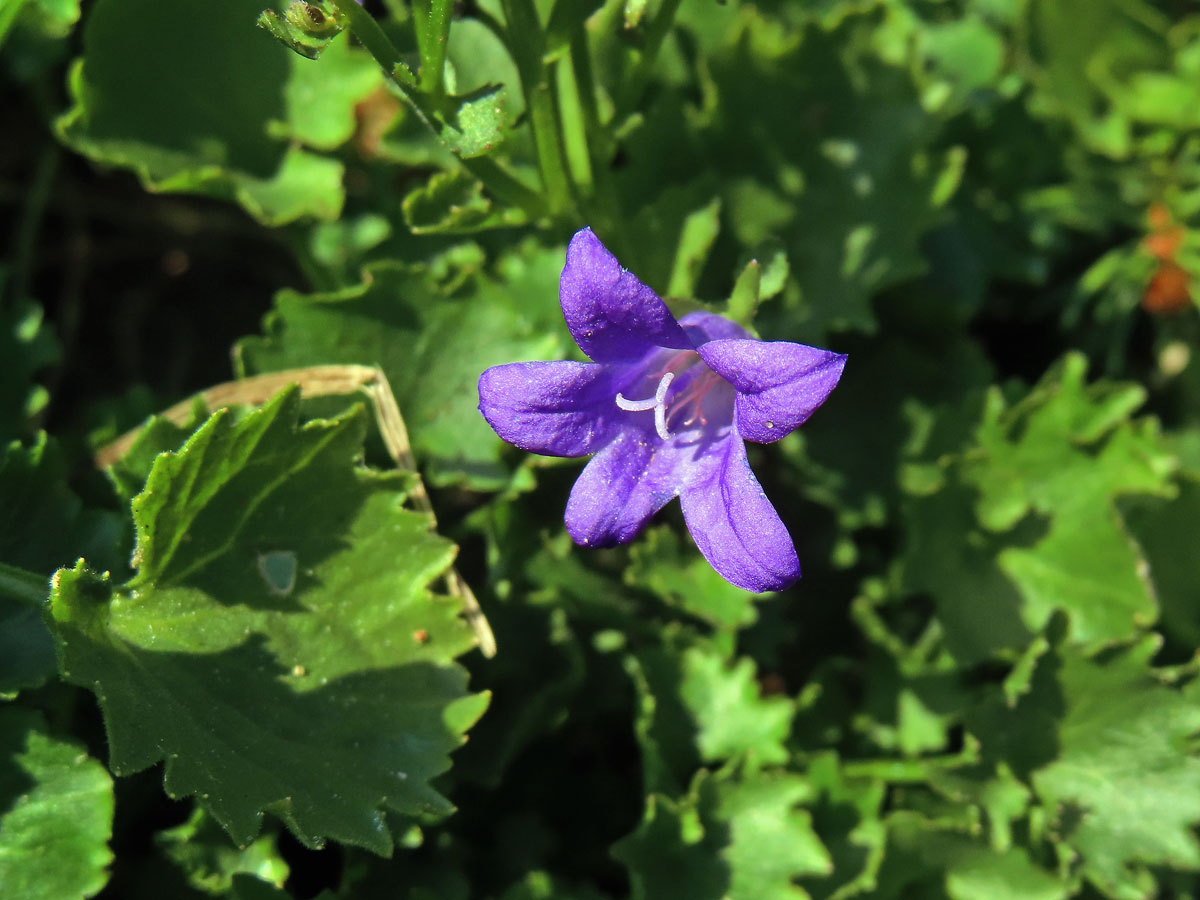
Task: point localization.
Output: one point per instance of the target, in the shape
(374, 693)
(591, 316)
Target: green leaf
(1168, 531)
(158, 435)
(211, 863)
(818, 142)
(731, 714)
(305, 27)
(182, 99)
(925, 855)
(1066, 453)
(1048, 472)
(57, 815)
(730, 837)
(44, 527)
(660, 562)
(699, 231)
(743, 300)
(478, 123)
(1109, 750)
(1126, 780)
(323, 699)
(320, 96)
(846, 814)
(433, 348)
(449, 203)
(1084, 51)
(696, 708)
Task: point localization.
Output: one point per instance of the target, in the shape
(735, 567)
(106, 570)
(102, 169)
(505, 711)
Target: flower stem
(24, 586)
(379, 45)
(433, 29)
(527, 45)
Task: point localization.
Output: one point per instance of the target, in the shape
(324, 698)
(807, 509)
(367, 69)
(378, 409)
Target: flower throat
(691, 398)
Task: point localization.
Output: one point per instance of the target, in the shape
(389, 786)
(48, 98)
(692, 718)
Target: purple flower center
(692, 401)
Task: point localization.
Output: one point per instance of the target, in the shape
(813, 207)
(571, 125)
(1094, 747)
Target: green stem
(632, 92)
(910, 770)
(36, 200)
(527, 45)
(24, 586)
(380, 46)
(604, 197)
(433, 30)
(575, 130)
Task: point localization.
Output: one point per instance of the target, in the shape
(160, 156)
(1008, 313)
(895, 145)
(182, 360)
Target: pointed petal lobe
(779, 384)
(736, 527)
(611, 314)
(552, 408)
(615, 495)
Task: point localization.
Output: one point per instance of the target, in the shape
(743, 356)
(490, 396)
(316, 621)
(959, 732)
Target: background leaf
(311, 696)
(57, 815)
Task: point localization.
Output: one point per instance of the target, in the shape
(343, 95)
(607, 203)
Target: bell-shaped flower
(665, 406)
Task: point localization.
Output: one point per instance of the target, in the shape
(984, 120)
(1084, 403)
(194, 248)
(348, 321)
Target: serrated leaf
(478, 122)
(732, 715)
(449, 203)
(432, 348)
(1110, 753)
(157, 99)
(1038, 458)
(1126, 779)
(57, 815)
(846, 814)
(735, 838)
(323, 701)
(158, 435)
(1045, 533)
(696, 708)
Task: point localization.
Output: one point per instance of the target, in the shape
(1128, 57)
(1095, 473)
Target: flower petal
(552, 408)
(779, 384)
(618, 491)
(612, 315)
(736, 527)
(703, 327)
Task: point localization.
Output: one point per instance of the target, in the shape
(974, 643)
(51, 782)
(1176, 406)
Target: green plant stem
(380, 46)
(24, 586)
(631, 94)
(527, 45)
(604, 195)
(36, 200)
(575, 128)
(433, 30)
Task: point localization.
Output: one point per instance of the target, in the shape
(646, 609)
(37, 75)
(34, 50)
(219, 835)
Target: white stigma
(658, 403)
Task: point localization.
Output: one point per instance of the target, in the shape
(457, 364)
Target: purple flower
(665, 407)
